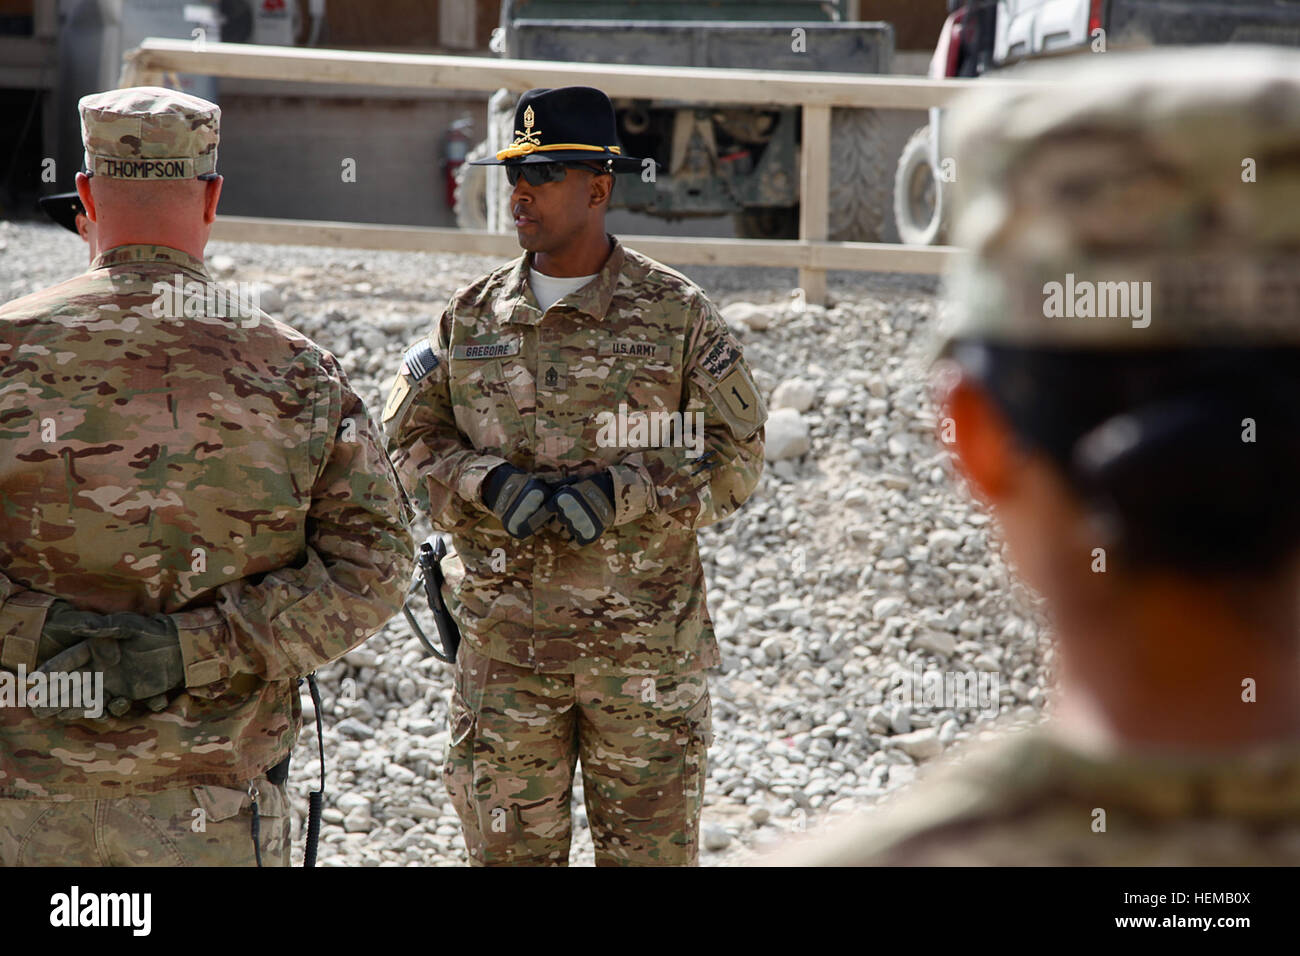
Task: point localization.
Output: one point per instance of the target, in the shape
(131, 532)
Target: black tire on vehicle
(472, 181)
(860, 186)
(767, 222)
(919, 208)
(471, 190)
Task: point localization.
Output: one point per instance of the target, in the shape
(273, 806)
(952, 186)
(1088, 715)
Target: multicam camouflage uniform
(599, 650)
(212, 465)
(1132, 171)
(1033, 800)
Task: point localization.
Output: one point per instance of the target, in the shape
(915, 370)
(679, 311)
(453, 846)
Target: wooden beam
(689, 84)
(771, 253)
(28, 63)
(814, 193)
(456, 27)
(45, 20)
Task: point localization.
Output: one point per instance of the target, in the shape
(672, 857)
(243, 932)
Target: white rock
(358, 821)
(787, 435)
(715, 837)
(836, 398)
(362, 657)
(221, 265)
(395, 771)
(886, 607)
(422, 726)
(407, 691)
(944, 544)
(785, 470)
(919, 744)
(857, 498)
(267, 297)
(796, 393)
(757, 317)
(936, 642)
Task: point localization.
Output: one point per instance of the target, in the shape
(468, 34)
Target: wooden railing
(815, 93)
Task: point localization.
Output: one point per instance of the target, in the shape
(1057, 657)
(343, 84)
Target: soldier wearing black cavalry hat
(570, 420)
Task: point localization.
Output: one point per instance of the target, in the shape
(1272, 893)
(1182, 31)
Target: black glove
(138, 654)
(585, 506)
(518, 499)
(66, 627)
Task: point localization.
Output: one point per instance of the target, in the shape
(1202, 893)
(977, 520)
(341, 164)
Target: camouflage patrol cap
(1130, 200)
(149, 133)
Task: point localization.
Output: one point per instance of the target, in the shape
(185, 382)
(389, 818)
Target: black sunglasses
(538, 174)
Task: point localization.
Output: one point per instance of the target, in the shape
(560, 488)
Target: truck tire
(471, 190)
(471, 195)
(919, 209)
(860, 187)
(767, 222)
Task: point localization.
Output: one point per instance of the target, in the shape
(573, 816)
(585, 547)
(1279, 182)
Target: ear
(88, 201)
(984, 447)
(211, 193)
(601, 185)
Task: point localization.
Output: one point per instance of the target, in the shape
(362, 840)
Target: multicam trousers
(188, 826)
(516, 737)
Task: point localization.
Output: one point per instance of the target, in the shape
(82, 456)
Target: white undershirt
(551, 289)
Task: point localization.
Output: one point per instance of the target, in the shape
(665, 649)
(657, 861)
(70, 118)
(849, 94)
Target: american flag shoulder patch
(419, 361)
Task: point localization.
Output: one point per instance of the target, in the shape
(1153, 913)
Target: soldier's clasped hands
(524, 503)
(139, 655)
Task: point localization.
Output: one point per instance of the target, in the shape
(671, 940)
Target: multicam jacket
(1032, 799)
(209, 464)
(591, 384)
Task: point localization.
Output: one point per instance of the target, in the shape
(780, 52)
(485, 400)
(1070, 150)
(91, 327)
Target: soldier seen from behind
(1122, 383)
(198, 511)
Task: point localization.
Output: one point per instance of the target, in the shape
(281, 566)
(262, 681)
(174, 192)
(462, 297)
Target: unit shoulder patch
(721, 356)
(397, 396)
(739, 403)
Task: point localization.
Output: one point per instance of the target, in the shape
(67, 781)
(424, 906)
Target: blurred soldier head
(151, 157)
(1120, 371)
(561, 166)
(66, 209)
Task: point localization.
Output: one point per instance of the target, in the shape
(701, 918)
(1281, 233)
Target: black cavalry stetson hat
(569, 124)
(63, 209)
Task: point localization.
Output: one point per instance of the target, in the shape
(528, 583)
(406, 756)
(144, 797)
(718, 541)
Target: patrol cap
(149, 133)
(1130, 201)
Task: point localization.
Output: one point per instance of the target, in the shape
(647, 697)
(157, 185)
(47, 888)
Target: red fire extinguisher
(454, 151)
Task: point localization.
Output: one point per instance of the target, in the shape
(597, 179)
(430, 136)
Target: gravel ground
(858, 561)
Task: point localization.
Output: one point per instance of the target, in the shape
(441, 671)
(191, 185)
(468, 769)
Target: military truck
(989, 35)
(711, 159)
